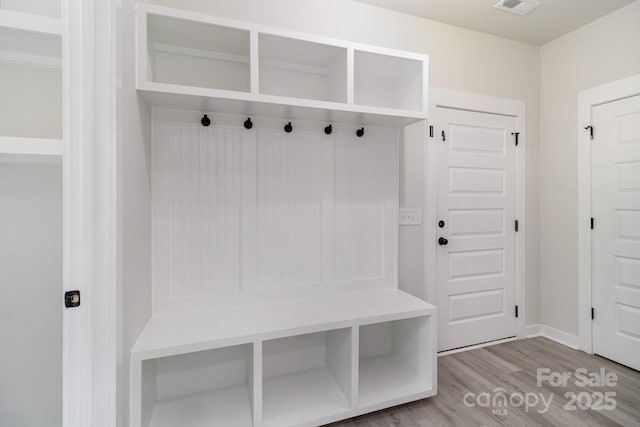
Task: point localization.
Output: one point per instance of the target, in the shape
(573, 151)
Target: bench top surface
(177, 333)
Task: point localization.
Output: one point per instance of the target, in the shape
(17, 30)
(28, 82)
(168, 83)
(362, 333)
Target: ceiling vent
(519, 7)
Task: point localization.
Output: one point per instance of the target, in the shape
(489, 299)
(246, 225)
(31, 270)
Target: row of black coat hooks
(288, 128)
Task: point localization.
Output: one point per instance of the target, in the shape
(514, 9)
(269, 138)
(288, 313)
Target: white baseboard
(533, 331)
(560, 337)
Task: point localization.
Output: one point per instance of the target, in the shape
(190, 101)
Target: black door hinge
(517, 226)
(517, 135)
(72, 299)
(593, 223)
(590, 129)
(431, 131)
(593, 313)
(444, 137)
(516, 311)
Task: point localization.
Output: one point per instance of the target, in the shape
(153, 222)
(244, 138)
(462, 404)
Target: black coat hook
(206, 121)
(288, 128)
(360, 132)
(248, 124)
(328, 129)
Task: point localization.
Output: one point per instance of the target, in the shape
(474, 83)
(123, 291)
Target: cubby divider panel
(197, 54)
(206, 388)
(395, 360)
(306, 377)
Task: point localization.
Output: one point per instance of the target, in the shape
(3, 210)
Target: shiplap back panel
(197, 209)
(289, 209)
(241, 215)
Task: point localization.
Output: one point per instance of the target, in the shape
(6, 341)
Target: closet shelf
(30, 150)
(196, 61)
(29, 22)
(165, 95)
(170, 334)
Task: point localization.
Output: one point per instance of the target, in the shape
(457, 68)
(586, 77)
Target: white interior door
(616, 235)
(476, 263)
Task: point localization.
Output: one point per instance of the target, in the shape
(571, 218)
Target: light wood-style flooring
(513, 367)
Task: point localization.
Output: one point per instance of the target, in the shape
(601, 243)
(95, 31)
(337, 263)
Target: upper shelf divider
(197, 61)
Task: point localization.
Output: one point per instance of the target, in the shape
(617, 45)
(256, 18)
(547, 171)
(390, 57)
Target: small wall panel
(364, 180)
(197, 189)
(289, 208)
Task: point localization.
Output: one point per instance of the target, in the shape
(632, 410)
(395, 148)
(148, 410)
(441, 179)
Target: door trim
(587, 99)
(486, 104)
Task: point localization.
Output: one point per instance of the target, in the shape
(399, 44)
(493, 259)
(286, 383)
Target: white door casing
(616, 234)
(477, 278)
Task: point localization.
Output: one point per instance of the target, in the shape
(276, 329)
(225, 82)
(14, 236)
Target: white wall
(31, 284)
(459, 59)
(603, 51)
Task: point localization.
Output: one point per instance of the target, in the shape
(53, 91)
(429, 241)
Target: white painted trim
(534, 331)
(30, 22)
(587, 99)
(471, 102)
(560, 337)
(477, 346)
(31, 146)
(9, 57)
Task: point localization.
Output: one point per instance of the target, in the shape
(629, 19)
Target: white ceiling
(550, 21)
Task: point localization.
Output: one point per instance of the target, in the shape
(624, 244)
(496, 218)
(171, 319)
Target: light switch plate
(410, 216)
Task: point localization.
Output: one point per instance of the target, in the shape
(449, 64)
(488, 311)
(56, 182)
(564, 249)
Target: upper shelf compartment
(302, 69)
(389, 81)
(194, 61)
(197, 54)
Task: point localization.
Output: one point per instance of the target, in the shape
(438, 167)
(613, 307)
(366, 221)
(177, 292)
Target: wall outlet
(410, 216)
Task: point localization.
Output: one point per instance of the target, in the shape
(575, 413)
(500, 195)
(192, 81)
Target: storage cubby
(49, 8)
(31, 82)
(207, 388)
(302, 69)
(306, 377)
(396, 360)
(198, 54)
(388, 81)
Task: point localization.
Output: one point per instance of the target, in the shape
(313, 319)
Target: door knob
(442, 241)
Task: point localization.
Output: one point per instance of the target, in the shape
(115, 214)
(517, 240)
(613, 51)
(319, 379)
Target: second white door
(476, 240)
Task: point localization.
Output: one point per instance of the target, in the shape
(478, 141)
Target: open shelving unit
(306, 377)
(192, 389)
(272, 242)
(302, 361)
(395, 360)
(31, 77)
(196, 61)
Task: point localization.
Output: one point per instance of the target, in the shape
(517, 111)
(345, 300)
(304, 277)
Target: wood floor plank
(513, 367)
